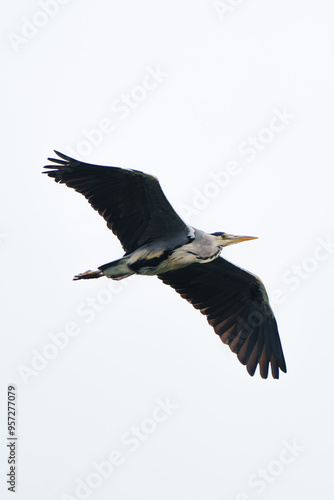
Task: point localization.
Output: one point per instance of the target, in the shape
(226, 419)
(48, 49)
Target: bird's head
(225, 239)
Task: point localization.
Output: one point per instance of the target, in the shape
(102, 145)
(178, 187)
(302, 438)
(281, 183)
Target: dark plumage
(236, 306)
(118, 194)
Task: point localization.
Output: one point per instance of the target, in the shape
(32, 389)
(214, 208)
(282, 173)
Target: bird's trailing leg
(88, 275)
(116, 270)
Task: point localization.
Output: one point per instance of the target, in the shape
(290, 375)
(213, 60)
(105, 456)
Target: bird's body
(163, 256)
(157, 242)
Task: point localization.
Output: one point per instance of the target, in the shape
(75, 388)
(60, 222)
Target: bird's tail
(117, 270)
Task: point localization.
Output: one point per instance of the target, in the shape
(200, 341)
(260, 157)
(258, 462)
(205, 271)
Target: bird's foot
(88, 275)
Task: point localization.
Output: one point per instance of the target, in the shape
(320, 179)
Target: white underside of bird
(151, 260)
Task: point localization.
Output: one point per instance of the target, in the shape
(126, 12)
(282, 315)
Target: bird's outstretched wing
(236, 305)
(132, 203)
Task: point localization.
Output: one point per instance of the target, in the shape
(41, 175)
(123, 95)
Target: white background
(225, 74)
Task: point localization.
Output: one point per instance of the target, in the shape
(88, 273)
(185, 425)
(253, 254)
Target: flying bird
(157, 242)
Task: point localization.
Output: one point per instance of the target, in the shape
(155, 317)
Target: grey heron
(157, 242)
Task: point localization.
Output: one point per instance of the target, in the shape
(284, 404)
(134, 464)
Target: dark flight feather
(132, 202)
(236, 305)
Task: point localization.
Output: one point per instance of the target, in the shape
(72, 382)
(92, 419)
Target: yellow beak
(232, 238)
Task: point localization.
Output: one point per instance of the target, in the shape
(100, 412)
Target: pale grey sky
(123, 389)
